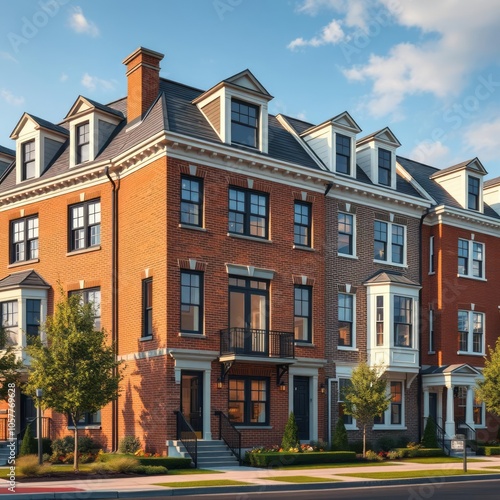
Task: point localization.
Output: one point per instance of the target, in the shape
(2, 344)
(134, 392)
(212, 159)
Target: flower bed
(284, 458)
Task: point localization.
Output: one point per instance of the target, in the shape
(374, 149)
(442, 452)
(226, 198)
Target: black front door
(433, 406)
(301, 405)
(28, 414)
(192, 399)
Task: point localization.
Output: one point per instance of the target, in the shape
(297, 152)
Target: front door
(301, 405)
(433, 407)
(192, 399)
(28, 414)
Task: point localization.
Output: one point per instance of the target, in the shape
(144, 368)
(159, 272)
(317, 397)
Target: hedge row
(488, 450)
(420, 452)
(281, 459)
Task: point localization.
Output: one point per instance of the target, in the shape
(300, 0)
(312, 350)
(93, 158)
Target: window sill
(431, 273)
(351, 428)
(87, 427)
(23, 263)
(146, 338)
(247, 427)
(475, 278)
(83, 250)
(193, 335)
(194, 228)
(347, 348)
(347, 256)
(306, 249)
(467, 353)
(387, 263)
(387, 427)
(303, 343)
(249, 238)
(431, 352)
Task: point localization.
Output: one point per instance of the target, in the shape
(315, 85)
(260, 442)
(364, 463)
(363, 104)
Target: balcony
(270, 345)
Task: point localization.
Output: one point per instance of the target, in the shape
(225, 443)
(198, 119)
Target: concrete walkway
(261, 479)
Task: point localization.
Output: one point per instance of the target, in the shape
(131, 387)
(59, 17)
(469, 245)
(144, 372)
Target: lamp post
(39, 393)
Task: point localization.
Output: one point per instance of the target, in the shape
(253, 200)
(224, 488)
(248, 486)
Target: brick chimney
(143, 75)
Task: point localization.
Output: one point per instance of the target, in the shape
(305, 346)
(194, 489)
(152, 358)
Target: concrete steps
(4, 452)
(211, 454)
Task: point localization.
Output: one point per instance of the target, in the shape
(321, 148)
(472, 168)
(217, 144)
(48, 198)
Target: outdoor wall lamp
(322, 388)
(219, 383)
(282, 386)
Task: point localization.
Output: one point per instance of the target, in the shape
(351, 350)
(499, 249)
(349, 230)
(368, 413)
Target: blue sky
(430, 70)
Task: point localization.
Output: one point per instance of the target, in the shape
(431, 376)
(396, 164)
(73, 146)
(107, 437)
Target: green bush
(357, 446)
(340, 440)
(420, 452)
(488, 450)
(28, 445)
(129, 444)
(150, 470)
(429, 439)
(46, 446)
(386, 443)
(123, 464)
(285, 458)
(28, 466)
(373, 456)
(66, 445)
(291, 435)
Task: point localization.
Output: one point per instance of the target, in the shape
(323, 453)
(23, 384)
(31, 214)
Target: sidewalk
(260, 479)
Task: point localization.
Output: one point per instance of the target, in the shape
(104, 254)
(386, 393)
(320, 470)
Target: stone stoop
(4, 452)
(211, 454)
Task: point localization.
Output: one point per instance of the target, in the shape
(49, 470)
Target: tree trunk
(75, 458)
(364, 440)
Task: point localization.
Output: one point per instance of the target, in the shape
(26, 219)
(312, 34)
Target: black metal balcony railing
(259, 343)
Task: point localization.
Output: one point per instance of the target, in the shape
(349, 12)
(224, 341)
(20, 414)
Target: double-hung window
(389, 243)
(302, 224)
(91, 296)
(346, 320)
(432, 264)
(394, 415)
(467, 266)
(83, 143)
(28, 159)
(191, 201)
(470, 332)
(244, 123)
(403, 321)
(248, 213)
(85, 225)
(343, 154)
(345, 234)
(379, 321)
(33, 316)
(473, 193)
(147, 307)
(303, 313)
(344, 383)
(249, 400)
(191, 302)
(384, 167)
(9, 314)
(24, 239)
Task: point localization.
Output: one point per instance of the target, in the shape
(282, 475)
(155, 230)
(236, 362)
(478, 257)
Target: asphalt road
(484, 490)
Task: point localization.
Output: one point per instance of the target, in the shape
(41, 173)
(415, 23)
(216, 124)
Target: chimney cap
(143, 51)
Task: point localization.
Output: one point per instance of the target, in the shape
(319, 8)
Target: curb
(80, 495)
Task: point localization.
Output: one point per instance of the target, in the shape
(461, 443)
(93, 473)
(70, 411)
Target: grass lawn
(208, 482)
(188, 472)
(333, 466)
(55, 469)
(439, 460)
(414, 473)
(300, 479)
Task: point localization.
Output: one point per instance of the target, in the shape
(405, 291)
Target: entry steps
(211, 454)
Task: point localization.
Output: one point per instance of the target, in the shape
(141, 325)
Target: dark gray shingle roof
(7, 151)
(391, 277)
(29, 278)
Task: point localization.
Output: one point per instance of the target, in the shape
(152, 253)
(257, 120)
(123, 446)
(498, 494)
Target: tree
(76, 368)
(10, 364)
(366, 396)
(340, 440)
(488, 390)
(291, 434)
(28, 444)
(429, 439)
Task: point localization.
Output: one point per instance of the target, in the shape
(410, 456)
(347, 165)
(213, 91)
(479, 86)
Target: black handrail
(229, 434)
(441, 438)
(470, 433)
(187, 436)
(255, 342)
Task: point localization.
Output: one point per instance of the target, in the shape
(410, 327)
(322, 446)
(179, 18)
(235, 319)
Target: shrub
(357, 446)
(373, 456)
(420, 452)
(394, 455)
(291, 435)
(429, 439)
(29, 467)
(284, 458)
(46, 457)
(488, 450)
(129, 444)
(28, 444)
(150, 470)
(99, 468)
(123, 464)
(386, 443)
(340, 440)
(66, 445)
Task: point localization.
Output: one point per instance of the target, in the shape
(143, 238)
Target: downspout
(114, 301)
(420, 277)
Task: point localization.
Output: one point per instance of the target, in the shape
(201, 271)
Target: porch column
(426, 405)
(439, 407)
(449, 425)
(207, 431)
(313, 426)
(469, 413)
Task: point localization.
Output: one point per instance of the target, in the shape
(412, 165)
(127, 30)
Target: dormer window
(83, 143)
(473, 193)
(384, 167)
(244, 123)
(343, 154)
(28, 151)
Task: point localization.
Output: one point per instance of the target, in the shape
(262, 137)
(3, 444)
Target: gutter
(114, 301)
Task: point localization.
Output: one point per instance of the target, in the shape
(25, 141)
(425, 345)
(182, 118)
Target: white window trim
(470, 259)
(389, 260)
(431, 332)
(352, 255)
(470, 336)
(353, 332)
(352, 159)
(345, 375)
(432, 264)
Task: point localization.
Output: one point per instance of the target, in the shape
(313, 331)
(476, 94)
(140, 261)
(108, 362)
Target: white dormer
(465, 183)
(37, 144)
(376, 155)
(90, 126)
(491, 193)
(237, 109)
(334, 141)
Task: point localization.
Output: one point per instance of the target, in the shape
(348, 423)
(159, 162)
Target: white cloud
(356, 12)
(63, 78)
(93, 83)
(431, 153)
(80, 24)
(482, 140)
(330, 34)
(10, 98)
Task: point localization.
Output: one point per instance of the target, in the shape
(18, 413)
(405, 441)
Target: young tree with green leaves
(290, 438)
(366, 396)
(10, 364)
(488, 390)
(76, 367)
